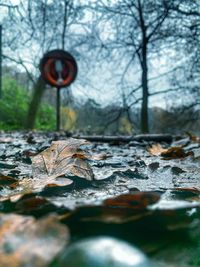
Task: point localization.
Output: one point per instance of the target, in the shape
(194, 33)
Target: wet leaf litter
(146, 193)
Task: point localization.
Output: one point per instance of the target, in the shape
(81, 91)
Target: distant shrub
(46, 118)
(14, 106)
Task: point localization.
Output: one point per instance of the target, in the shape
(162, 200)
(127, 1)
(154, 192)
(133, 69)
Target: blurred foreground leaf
(30, 243)
(144, 210)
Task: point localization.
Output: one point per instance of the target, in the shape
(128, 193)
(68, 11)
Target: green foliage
(46, 118)
(14, 106)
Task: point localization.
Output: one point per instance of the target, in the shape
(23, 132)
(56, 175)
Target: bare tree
(138, 30)
(187, 37)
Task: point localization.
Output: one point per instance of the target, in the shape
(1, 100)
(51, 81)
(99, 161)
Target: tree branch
(22, 63)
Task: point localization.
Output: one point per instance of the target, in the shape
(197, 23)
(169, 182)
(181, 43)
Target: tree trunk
(145, 91)
(143, 61)
(38, 92)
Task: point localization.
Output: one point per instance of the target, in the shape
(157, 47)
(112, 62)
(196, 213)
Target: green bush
(46, 118)
(14, 106)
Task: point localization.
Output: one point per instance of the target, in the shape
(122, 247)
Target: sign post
(59, 69)
(58, 110)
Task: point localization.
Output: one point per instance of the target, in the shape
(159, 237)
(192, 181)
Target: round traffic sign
(58, 68)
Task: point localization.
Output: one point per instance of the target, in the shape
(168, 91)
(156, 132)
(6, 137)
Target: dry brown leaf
(49, 169)
(27, 242)
(120, 209)
(29, 185)
(138, 200)
(62, 157)
(156, 150)
(36, 185)
(7, 181)
(170, 153)
(136, 209)
(175, 153)
(34, 205)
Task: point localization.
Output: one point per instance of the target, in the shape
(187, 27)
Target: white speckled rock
(103, 252)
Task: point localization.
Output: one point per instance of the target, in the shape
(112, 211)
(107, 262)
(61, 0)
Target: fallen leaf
(156, 150)
(80, 168)
(137, 200)
(49, 169)
(37, 206)
(175, 152)
(62, 157)
(188, 189)
(120, 209)
(7, 181)
(26, 242)
(170, 153)
(142, 210)
(29, 185)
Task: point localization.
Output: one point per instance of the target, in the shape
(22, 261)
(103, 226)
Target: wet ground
(118, 169)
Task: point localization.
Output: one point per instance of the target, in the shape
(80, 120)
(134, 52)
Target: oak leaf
(61, 158)
(120, 209)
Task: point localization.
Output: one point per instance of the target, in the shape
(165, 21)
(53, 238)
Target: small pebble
(103, 252)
